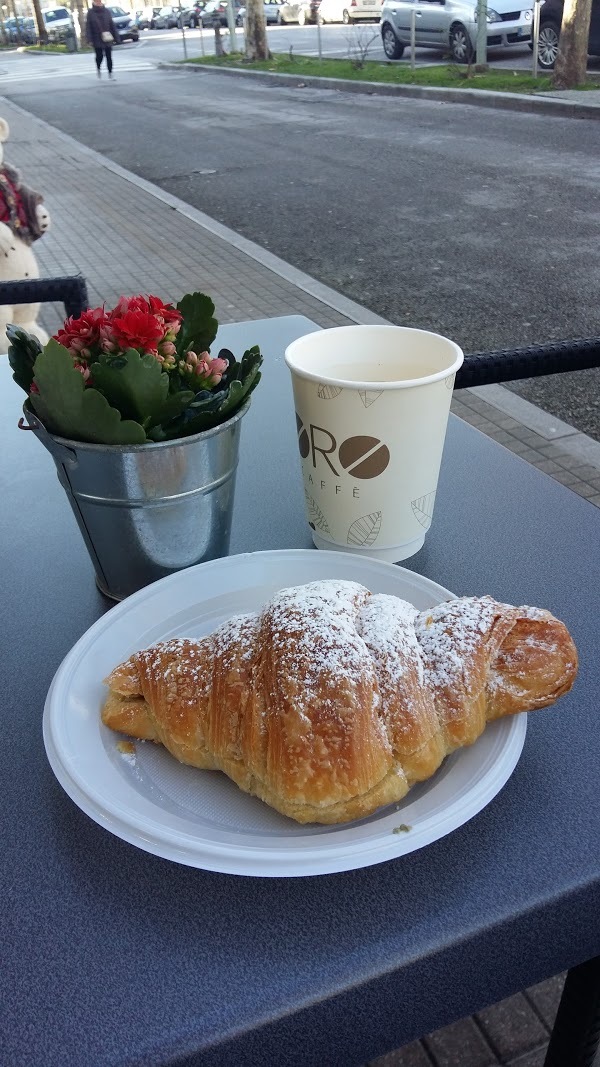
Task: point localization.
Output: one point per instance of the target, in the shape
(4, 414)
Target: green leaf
(175, 404)
(249, 365)
(208, 409)
(133, 384)
(23, 351)
(199, 326)
(70, 410)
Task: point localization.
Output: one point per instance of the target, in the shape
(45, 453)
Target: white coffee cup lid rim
(403, 383)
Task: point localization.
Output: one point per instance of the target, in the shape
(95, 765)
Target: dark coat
(99, 21)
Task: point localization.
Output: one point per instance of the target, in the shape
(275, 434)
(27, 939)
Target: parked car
(126, 26)
(190, 16)
(551, 15)
(272, 13)
(350, 10)
(166, 19)
(58, 23)
(300, 11)
(145, 18)
(20, 31)
(451, 25)
(218, 9)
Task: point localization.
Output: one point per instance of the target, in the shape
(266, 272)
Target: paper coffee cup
(372, 406)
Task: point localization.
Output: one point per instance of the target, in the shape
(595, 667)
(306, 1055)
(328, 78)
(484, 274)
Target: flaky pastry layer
(332, 702)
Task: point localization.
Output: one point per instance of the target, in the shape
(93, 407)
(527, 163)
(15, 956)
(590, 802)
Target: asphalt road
(482, 225)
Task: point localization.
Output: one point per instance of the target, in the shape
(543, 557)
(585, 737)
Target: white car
(451, 25)
(58, 22)
(349, 10)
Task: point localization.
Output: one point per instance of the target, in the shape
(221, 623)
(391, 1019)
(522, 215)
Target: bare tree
(41, 25)
(359, 42)
(571, 61)
(15, 14)
(81, 10)
(219, 46)
(256, 31)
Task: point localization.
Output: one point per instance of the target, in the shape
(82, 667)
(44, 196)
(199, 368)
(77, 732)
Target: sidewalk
(125, 235)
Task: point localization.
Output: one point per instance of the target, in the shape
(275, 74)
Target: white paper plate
(202, 819)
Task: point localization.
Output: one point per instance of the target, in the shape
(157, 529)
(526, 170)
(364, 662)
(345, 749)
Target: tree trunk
(256, 31)
(219, 50)
(41, 25)
(15, 15)
(571, 61)
(81, 18)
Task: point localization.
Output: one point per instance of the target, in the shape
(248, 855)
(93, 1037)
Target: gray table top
(112, 956)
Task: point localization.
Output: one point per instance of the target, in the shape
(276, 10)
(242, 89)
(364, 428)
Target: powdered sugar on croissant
(333, 701)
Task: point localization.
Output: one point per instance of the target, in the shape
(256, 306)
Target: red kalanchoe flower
(166, 312)
(138, 329)
(127, 303)
(153, 305)
(84, 332)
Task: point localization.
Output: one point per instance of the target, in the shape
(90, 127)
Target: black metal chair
(510, 364)
(576, 1033)
(70, 291)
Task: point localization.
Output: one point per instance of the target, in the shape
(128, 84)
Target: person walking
(101, 33)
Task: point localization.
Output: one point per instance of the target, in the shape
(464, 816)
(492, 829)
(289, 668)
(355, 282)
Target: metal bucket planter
(148, 510)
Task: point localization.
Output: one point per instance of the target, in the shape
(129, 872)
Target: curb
(476, 97)
(572, 441)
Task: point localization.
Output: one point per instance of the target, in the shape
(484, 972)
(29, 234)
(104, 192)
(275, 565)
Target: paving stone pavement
(125, 236)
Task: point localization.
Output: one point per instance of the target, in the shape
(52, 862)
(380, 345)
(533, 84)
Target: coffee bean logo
(364, 457)
(303, 442)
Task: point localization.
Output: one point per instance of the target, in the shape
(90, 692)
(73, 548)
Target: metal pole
(536, 36)
(231, 25)
(481, 55)
(202, 48)
(413, 36)
(319, 36)
(183, 40)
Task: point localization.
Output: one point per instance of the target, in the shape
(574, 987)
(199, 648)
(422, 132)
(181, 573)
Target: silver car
(272, 13)
(451, 25)
(58, 23)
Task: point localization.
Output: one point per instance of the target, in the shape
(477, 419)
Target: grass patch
(54, 49)
(448, 76)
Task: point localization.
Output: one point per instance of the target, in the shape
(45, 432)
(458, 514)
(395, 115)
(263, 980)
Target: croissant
(333, 701)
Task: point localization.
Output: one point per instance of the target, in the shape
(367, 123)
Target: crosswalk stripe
(38, 75)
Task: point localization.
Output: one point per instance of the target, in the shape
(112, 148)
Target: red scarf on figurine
(18, 205)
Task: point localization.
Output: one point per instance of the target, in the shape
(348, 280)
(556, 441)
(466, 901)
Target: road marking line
(7, 79)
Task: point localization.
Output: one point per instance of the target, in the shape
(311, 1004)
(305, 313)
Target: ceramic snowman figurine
(23, 219)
